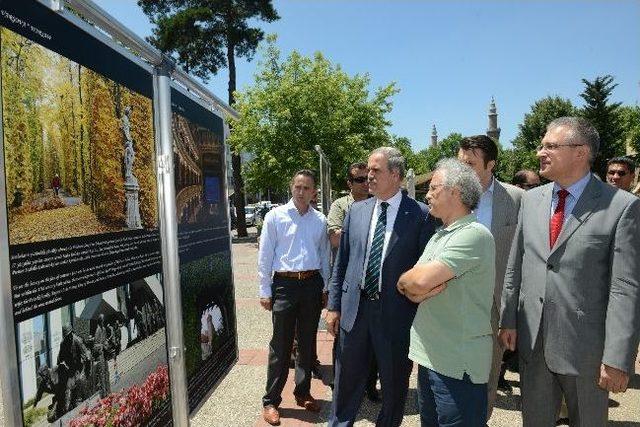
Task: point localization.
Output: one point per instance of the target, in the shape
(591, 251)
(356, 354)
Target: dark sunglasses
(619, 173)
(359, 179)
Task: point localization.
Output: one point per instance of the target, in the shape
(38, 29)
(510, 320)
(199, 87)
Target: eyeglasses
(359, 179)
(554, 147)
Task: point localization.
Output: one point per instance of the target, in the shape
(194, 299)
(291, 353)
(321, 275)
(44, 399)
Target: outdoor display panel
(208, 309)
(84, 244)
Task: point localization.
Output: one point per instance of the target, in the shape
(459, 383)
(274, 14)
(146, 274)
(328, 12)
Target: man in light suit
(382, 237)
(571, 298)
(498, 211)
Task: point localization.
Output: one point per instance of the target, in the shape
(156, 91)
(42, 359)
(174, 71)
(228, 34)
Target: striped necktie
(372, 276)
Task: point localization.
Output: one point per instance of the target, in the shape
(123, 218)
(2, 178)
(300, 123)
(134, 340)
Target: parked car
(250, 215)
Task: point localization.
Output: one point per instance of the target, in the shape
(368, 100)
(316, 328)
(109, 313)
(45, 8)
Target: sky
(448, 58)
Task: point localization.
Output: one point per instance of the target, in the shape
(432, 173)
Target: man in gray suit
(498, 211)
(382, 237)
(571, 298)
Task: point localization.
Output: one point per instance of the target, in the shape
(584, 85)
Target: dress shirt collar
(291, 207)
(491, 186)
(574, 189)
(394, 201)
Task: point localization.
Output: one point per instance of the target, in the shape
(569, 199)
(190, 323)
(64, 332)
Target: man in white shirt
(498, 211)
(293, 268)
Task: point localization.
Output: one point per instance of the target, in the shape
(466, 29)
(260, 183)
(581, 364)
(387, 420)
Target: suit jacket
(412, 229)
(587, 284)
(504, 219)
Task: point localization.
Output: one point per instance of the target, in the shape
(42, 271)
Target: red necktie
(555, 225)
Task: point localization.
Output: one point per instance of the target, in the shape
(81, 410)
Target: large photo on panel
(84, 245)
(205, 255)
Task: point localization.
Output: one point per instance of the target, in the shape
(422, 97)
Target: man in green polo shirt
(451, 335)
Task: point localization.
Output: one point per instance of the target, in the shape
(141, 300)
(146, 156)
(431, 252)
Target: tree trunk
(236, 161)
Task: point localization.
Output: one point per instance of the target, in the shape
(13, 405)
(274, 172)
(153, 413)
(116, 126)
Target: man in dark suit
(382, 237)
(571, 297)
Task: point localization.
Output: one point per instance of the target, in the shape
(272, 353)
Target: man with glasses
(359, 190)
(526, 179)
(498, 211)
(571, 299)
(621, 172)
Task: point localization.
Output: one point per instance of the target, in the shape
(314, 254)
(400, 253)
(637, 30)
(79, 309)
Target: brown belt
(300, 275)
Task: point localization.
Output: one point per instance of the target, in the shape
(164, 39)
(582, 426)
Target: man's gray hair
(581, 132)
(395, 159)
(460, 175)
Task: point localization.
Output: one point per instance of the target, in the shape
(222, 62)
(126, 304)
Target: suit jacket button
(541, 300)
(549, 266)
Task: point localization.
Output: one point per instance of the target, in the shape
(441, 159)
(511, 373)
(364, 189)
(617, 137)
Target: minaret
(434, 136)
(493, 131)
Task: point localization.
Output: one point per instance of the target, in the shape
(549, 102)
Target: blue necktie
(372, 276)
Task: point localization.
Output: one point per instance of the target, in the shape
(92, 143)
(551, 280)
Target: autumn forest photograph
(78, 147)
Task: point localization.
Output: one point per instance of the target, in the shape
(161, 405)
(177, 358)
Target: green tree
(532, 130)
(412, 160)
(299, 102)
(447, 147)
(603, 114)
(630, 122)
(206, 35)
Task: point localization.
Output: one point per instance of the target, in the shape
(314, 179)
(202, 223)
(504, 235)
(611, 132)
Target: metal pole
(169, 239)
(411, 183)
(325, 179)
(9, 355)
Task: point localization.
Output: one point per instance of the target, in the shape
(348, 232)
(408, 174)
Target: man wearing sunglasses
(621, 172)
(359, 190)
(526, 179)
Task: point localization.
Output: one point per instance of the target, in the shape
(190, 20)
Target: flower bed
(128, 407)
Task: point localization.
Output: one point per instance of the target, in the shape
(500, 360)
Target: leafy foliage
(198, 33)
(630, 121)
(301, 102)
(429, 157)
(604, 115)
(532, 130)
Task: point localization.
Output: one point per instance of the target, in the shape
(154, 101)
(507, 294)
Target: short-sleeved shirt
(451, 333)
(338, 212)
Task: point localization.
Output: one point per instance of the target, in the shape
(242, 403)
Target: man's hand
(333, 322)
(613, 379)
(266, 303)
(507, 337)
(325, 299)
